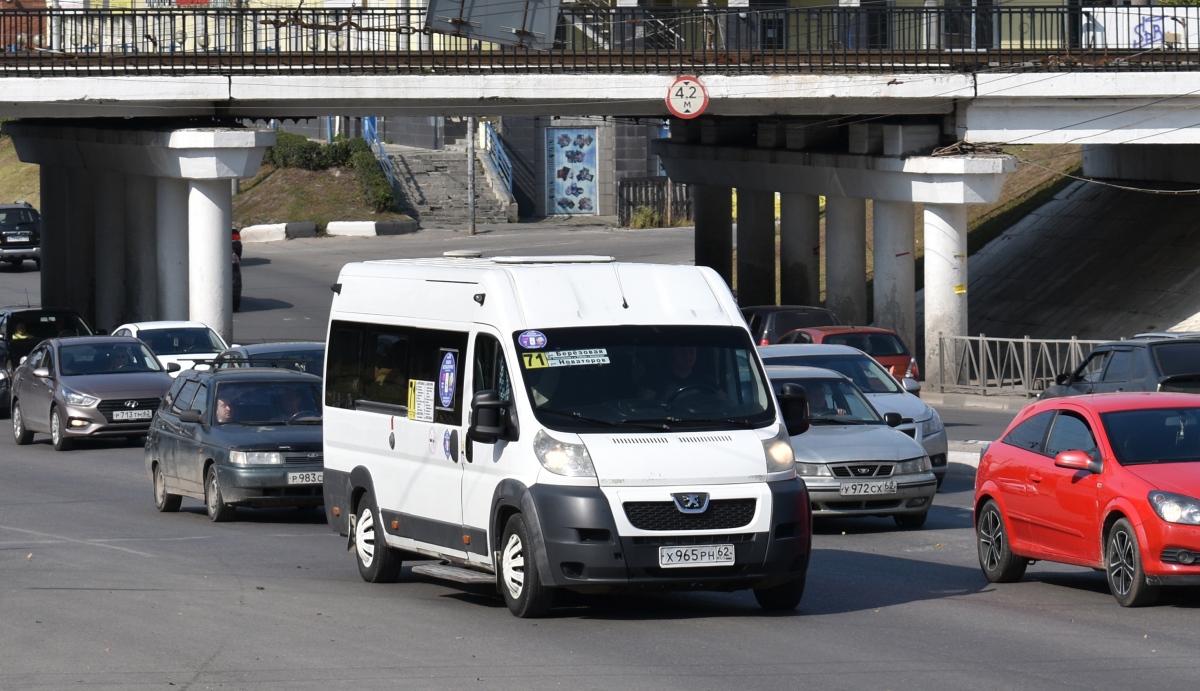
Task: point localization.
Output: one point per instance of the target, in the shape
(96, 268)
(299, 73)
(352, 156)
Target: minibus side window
(343, 371)
(491, 371)
(388, 380)
(430, 350)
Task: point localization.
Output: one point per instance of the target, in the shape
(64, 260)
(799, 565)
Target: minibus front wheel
(520, 583)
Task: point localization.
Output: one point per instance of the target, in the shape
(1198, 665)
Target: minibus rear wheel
(520, 583)
(377, 563)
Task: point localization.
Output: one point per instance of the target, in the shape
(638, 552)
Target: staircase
(431, 186)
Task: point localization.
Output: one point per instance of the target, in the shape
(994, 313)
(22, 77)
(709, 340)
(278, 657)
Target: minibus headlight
(562, 458)
(779, 452)
(255, 458)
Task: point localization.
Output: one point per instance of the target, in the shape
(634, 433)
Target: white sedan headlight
(256, 458)
(562, 458)
(933, 425)
(812, 470)
(779, 452)
(916, 465)
(1175, 508)
(80, 399)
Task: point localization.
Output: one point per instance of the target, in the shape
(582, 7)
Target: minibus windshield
(640, 378)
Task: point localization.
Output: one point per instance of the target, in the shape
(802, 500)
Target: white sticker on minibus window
(571, 358)
(420, 400)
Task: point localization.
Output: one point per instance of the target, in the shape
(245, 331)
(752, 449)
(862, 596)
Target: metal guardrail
(1006, 366)
(371, 134)
(498, 159)
(701, 40)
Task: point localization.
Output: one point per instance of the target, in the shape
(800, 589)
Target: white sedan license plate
(19, 238)
(306, 478)
(132, 414)
(868, 487)
(700, 555)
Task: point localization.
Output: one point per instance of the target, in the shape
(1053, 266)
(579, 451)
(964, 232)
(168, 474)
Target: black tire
(58, 437)
(164, 501)
(1123, 566)
(38, 264)
(910, 521)
(519, 581)
(377, 563)
(21, 434)
(940, 478)
(780, 598)
(996, 559)
(218, 510)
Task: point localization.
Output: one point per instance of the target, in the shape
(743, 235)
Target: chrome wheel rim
(55, 429)
(364, 538)
(160, 486)
(513, 566)
(210, 497)
(991, 540)
(18, 423)
(1122, 562)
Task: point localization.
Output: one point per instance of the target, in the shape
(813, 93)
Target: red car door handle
(1035, 477)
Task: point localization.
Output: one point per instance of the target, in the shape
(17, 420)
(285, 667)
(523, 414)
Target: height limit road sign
(687, 98)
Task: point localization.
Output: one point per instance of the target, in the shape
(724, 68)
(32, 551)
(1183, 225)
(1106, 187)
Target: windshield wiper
(836, 421)
(744, 424)
(608, 423)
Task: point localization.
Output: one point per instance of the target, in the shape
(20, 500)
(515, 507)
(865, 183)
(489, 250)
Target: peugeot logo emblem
(131, 404)
(691, 502)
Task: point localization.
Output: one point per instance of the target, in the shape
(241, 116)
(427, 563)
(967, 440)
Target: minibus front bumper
(584, 551)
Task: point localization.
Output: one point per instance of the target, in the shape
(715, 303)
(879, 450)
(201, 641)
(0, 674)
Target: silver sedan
(93, 386)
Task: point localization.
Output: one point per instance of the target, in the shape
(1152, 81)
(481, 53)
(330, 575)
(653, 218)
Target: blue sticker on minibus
(532, 339)
(446, 380)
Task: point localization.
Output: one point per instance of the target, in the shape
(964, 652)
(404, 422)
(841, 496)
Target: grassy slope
(17, 180)
(285, 195)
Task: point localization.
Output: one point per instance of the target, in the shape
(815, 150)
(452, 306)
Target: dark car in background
(20, 234)
(1140, 364)
(884, 345)
(768, 322)
(22, 328)
(302, 356)
(86, 387)
(238, 437)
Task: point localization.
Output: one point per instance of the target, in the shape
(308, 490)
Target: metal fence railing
(664, 202)
(371, 134)
(1006, 366)
(498, 158)
(700, 40)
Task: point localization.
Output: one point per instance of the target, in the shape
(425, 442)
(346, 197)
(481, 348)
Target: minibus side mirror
(485, 417)
(794, 402)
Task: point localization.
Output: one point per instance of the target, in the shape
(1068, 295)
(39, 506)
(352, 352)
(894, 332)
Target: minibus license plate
(698, 555)
(871, 487)
(311, 478)
(132, 414)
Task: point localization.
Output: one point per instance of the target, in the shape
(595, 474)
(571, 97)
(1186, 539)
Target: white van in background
(548, 423)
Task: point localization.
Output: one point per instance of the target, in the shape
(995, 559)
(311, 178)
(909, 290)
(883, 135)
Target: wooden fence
(669, 203)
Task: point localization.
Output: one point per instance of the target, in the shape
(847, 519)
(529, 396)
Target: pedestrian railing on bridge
(1006, 366)
(702, 40)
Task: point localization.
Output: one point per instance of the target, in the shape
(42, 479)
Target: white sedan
(180, 342)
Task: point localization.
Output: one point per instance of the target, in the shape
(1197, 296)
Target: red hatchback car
(884, 345)
(1107, 481)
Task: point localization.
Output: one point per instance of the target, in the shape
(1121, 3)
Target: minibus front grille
(722, 514)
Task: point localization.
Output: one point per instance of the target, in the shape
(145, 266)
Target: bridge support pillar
(894, 233)
(756, 247)
(172, 236)
(846, 258)
(945, 284)
(81, 248)
(210, 217)
(110, 250)
(141, 249)
(713, 208)
(799, 249)
(55, 234)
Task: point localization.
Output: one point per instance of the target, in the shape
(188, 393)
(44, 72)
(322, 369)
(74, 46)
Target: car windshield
(35, 325)
(786, 321)
(866, 374)
(644, 377)
(311, 360)
(1177, 358)
(1162, 435)
(12, 217)
(833, 401)
(266, 403)
(107, 358)
(182, 340)
(875, 344)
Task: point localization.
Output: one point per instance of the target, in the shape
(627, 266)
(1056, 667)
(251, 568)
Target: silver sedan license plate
(310, 478)
(132, 414)
(697, 555)
(868, 487)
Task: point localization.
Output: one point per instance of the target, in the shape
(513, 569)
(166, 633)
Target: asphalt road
(97, 590)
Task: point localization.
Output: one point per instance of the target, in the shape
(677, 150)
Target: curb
(370, 228)
(272, 232)
(963, 456)
(962, 400)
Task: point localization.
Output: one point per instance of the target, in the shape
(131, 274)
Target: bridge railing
(603, 39)
(370, 133)
(498, 159)
(1006, 366)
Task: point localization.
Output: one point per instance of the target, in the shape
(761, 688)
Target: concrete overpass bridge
(131, 111)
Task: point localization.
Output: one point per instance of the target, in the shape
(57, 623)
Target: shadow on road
(284, 514)
(255, 261)
(250, 304)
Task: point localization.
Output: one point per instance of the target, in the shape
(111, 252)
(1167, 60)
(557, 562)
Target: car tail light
(765, 341)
